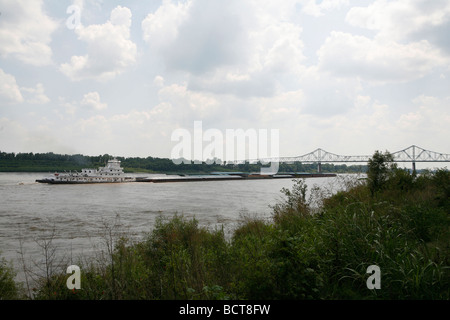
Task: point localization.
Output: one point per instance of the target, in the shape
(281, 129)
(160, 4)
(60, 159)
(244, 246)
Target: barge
(232, 176)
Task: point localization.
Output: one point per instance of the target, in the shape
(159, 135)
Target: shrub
(185, 259)
(8, 288)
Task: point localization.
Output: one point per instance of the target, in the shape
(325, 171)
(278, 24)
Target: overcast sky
(350, 77)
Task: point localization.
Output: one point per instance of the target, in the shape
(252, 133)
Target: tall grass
(312, 248)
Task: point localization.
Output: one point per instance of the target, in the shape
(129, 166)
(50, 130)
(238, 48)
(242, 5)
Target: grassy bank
(316, 247)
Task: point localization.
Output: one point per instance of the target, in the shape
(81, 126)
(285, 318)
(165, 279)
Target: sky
(120, 77)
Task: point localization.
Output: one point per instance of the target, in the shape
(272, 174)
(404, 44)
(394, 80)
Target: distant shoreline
(50, 162)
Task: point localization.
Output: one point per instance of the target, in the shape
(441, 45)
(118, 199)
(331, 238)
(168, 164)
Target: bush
(187, 260)
(8, 288)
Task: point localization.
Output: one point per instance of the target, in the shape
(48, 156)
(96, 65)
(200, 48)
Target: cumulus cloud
(184, 105)
(161, 27)
(199, 35)
(69, 107)
(25, 32)
(92, 100)
(36, 95)
(319, 8)
(227, 47)
(326, 94)
(9, 90)
(210, 38)
(347, 55)
(405, 20)
(431, 112)
(110, 50)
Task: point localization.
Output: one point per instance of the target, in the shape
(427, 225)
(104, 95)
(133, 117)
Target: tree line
(50, 162)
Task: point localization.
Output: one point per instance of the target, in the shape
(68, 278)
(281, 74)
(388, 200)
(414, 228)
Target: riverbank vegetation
(316, 245)
(51, 162)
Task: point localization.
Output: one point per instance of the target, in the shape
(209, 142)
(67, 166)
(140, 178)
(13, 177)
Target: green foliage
(441, 182)
(187, 258)
(9, 290)
(379, 168)
(403, 230)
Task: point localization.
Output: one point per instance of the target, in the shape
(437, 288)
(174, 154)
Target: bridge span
(411, 154)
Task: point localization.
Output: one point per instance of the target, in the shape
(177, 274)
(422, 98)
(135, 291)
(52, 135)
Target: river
(75, 217)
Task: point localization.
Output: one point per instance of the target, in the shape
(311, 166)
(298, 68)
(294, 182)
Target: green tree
(379, 168)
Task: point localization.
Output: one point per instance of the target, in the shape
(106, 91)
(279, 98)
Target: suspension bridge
(412, 154)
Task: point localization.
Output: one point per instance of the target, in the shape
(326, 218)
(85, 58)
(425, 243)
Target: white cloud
(431, 113)
(158, 81)
(319, 8)
(134, 133)
(399, 18)
(347, 55)
(92, 100)
(12, 134)
(17, 137)
(362, 129)
(372, 125)
(405, 20)
(9, 90)
(69, 107)
(425, 124)
(36, 95)
(325, 94)
(186, 105)
(110, 50)
(199, 36)
(25, 32)
(233, 47)
(161, 28)
(276, 110)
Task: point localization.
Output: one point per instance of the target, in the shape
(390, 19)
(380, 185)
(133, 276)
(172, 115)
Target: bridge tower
(319, 157)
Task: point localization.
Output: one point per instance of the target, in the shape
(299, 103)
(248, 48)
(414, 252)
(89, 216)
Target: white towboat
(111, 173)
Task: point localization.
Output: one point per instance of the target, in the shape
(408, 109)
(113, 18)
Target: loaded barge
(232, 176)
